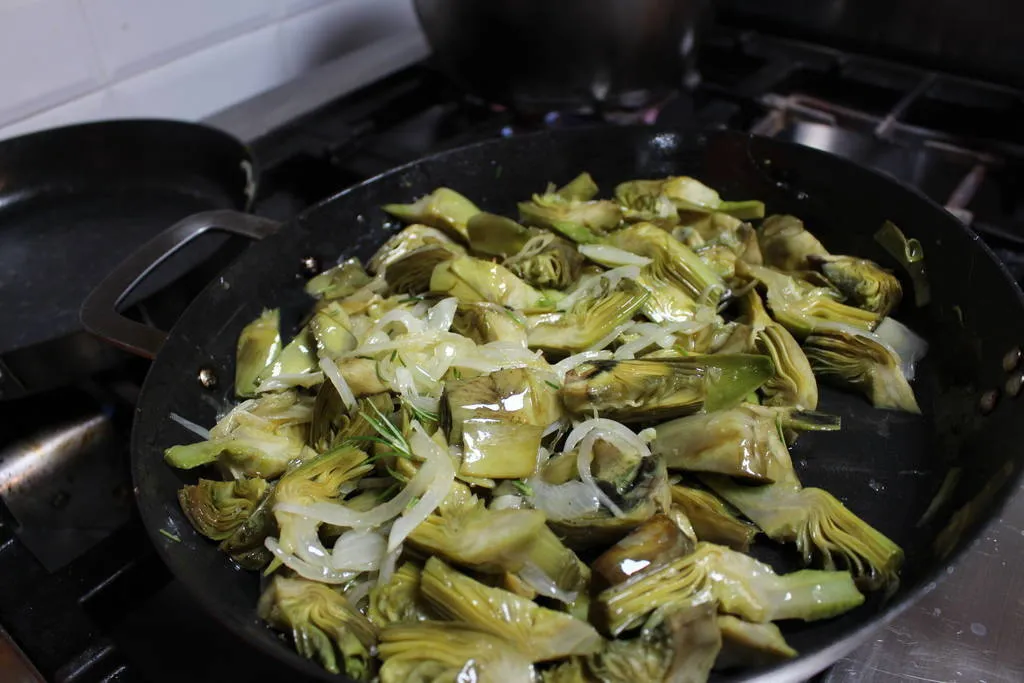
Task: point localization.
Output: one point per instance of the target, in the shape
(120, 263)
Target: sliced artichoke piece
(863, 283)
(547, 261)
(471, 280)
(323, 625)
(217, 508)
(258, 346)
(297, 359)
(361, 376)
(412, 273)
(583, 222)
(499, 420)
(338, 281)
(588, 320)
(852, 358)
(245, 545)
(333, 423)
(317, 480)
(332, 330)
(486, 322)
(582, 188)
(542, 634)
(443, 208)
(645, 390)
(741, 442)
(245, 446)
(822, 528)
(803, 307)
(750, 645)
(793, 383)
(741, 585)
(399, 600)
(678, 643)
(436, 651)
(672, 261)
(786, 244)
(638, 498)
(657, 541)
(572, 670)
(492, 541)
(494, 235)
(713, 520)
(684, 194)
(409, 239)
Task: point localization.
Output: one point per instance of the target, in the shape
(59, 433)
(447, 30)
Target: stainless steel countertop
(969, 628)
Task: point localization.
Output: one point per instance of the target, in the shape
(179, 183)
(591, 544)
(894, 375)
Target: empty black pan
(886, 466)
(74, 203)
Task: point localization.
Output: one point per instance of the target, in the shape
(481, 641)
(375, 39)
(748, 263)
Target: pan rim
(798, 669)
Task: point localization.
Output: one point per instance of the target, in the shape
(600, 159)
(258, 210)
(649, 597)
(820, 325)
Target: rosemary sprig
(522, 487)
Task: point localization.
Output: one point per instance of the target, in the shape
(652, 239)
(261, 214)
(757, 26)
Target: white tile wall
(65, 61)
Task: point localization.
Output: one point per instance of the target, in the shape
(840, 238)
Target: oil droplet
(979, 629)
(876, 486)
(801, 195)
(936, 612)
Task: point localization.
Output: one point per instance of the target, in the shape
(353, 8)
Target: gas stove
(84, 597)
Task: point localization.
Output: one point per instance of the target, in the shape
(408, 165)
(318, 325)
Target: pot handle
(99, 313)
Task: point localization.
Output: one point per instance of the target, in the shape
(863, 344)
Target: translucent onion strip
(334, 375)
(191, 426)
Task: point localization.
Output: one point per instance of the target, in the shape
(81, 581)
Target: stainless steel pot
(566, 55)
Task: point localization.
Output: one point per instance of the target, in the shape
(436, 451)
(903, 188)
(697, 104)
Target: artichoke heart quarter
(643, 390)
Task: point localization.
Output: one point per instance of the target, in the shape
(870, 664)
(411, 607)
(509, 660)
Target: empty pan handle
(100, 315)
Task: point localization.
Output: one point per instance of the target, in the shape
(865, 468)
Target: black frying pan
(886, 466)
(74, 203)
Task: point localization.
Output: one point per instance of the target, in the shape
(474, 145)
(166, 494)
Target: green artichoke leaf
(440, 651)
(741, 585)
(399, 600)
(443, 208)
(712, 519)
(539, 633)
(750, 645)
(217, 508)
(863, 283)
(471, 280)
(678, 642)
(657, 389)
(494, 235)
(338, 281)
(657, 541)
(786, 245)
(323, 624)
(409, 239)
(858, 360)
(259, 343)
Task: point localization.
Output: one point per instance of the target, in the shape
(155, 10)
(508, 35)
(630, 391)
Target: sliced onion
(908, 346)
(191, 426)
(387, 567)
(442, 469)
(615, 433)
(560, 502)
(359, 550)
(357, 591)
(307, 570)
(297, 379)
(441, 316)
(534, 577)
(563, 366)
(507, 502)
(611, 257)
(334, 375)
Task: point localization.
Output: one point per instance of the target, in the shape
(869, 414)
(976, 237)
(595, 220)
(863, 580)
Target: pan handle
(100, 315)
